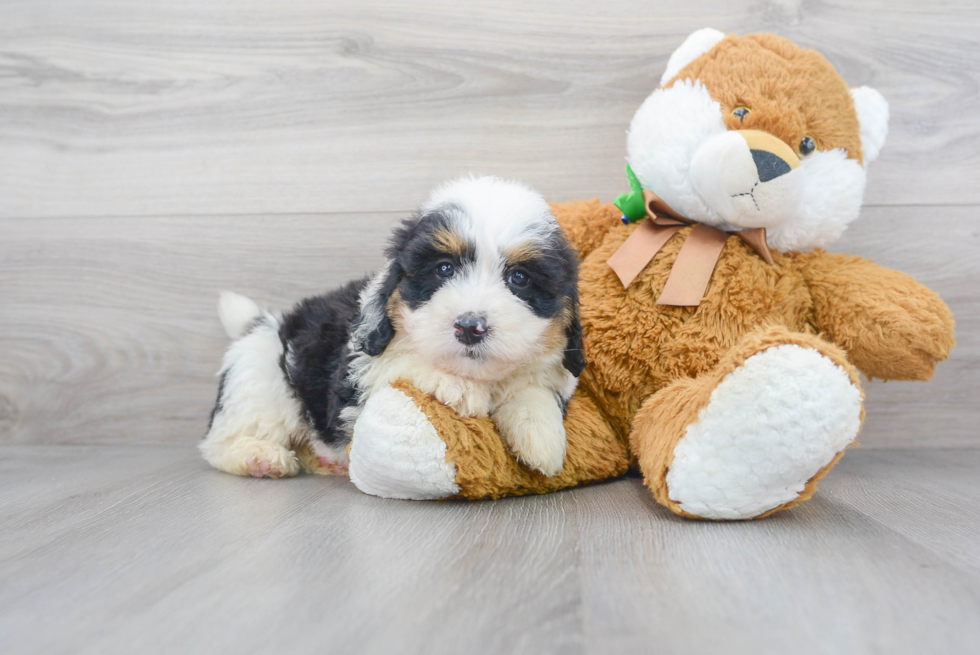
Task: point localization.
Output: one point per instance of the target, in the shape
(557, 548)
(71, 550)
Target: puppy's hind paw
(335, 467)
(316, 457)
(261, 468)
(248, 456)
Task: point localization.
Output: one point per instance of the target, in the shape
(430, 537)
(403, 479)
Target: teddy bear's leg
(408, 445)
(755, 434)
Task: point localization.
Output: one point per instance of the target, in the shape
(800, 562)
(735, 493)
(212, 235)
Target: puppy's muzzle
(471, 328)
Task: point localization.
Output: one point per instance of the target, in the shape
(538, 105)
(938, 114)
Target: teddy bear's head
(755, 131)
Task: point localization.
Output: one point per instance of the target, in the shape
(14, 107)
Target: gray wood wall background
(155, 153)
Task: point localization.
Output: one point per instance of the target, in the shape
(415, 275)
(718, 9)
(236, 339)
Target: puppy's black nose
(470, 328)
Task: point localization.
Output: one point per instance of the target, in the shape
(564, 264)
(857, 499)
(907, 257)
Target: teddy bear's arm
(585, 223)
(409, 445)
(891, 326)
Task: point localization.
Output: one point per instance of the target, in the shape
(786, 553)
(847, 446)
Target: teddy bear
(724, 344)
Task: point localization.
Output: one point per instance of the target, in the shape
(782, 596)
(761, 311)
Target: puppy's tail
(237, 313)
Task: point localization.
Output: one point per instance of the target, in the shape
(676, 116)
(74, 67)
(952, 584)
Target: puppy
(477, 305)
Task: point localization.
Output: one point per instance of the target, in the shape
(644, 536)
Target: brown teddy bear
(724, 345)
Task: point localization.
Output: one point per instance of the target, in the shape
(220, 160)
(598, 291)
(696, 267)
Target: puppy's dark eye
(518, 279)
(807, 145)
(445, 269)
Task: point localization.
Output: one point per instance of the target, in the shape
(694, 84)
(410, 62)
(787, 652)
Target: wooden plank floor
(126, 549)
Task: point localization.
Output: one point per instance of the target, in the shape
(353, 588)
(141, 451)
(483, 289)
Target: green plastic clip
(631, 204)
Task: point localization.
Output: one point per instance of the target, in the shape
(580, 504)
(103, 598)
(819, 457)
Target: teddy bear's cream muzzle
(749, 178)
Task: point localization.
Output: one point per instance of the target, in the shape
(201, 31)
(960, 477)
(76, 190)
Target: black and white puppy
(476, 305)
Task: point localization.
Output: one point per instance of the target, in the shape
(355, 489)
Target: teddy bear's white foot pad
(768, 428)
(396, 452)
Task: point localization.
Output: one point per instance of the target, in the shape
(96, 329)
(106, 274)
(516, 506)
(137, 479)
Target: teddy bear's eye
(741, 112)
(807, 145)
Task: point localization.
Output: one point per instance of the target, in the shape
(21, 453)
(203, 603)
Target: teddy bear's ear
(872, 112)
(693, 47)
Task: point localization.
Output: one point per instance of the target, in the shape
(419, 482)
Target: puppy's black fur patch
(574, 360)
(218, 404)
(316, 357)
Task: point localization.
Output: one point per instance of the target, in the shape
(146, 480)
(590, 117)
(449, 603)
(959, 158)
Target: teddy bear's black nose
(770, 166)
(470, 328)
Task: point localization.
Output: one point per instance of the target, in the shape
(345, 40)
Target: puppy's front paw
(534, 430)
(541, 451)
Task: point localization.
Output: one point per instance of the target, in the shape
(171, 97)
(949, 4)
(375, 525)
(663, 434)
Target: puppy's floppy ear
(372, 331)
(574, 360)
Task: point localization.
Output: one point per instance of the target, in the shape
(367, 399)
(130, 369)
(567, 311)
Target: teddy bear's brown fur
(652, 368)
(792, 90)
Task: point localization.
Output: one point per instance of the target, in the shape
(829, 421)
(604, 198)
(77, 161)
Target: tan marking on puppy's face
(451, 243)
(395, 308)
(566, 315)
(789, 91)
(554, 337)
(522, 253)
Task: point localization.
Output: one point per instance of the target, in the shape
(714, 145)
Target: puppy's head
(479, 282)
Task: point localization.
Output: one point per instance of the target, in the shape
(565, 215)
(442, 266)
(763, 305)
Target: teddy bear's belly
(636, 347)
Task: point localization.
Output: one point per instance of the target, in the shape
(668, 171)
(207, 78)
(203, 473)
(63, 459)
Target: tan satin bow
(696, 260)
